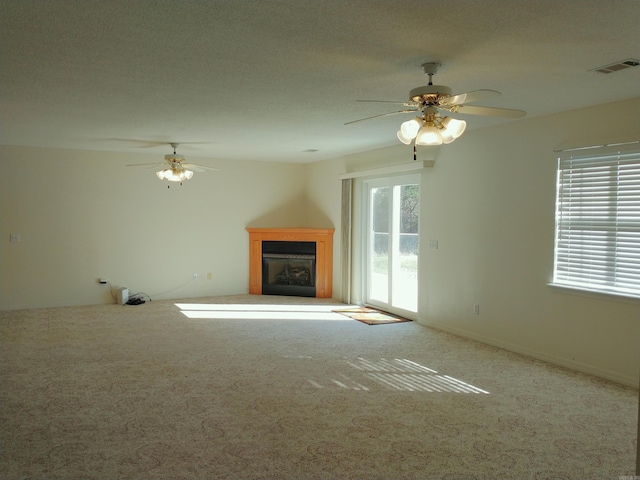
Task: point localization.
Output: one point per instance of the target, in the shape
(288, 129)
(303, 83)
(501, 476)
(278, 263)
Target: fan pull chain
(414, 152)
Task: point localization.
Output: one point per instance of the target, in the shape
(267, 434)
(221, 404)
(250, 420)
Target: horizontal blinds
(598, 221)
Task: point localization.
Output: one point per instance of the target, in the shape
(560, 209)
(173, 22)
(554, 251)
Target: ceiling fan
(175, 168)
(428, 101)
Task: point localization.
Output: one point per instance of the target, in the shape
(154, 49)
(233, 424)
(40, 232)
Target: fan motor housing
(174, 158)
(428, 93)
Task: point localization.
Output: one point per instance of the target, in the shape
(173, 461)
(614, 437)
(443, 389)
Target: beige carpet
(240, 388)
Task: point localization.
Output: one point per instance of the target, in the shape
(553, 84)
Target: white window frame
(597, 228)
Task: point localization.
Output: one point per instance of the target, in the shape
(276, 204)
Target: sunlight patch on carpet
(398, 374)
(406, 375)
(259, 312)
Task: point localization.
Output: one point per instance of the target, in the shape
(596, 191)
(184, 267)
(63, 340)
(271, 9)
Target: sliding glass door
(392, 243)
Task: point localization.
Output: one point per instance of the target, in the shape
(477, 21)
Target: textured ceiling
(271, 80)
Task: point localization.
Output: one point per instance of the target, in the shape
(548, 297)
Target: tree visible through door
(393, 238)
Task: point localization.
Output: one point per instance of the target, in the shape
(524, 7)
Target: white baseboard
(555, 360)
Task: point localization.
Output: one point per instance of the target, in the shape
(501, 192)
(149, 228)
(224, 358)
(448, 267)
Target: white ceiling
(272, 79)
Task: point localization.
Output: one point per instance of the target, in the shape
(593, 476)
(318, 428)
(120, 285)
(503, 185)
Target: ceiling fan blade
(154, 164)
(179, 144)
(141, 143)
(200, 168)
(469, 97)
(488, 111)
(156, 143)
(387, 101)
(381, 115)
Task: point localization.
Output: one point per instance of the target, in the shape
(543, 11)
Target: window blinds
(597, 243)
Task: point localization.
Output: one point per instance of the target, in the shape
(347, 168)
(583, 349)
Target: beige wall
(489, 202)
(84, 215)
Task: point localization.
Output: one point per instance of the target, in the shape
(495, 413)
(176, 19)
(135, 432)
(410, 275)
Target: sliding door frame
(366, 275)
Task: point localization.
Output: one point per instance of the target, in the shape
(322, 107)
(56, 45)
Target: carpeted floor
(250, 387)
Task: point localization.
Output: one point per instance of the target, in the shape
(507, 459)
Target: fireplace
(289, 268)
(291, 261)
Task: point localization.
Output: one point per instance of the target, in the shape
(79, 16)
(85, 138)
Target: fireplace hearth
(291, 261)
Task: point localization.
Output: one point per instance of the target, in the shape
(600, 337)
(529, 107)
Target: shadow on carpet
(370, 316)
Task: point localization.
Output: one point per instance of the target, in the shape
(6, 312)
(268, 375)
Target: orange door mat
(370, 316)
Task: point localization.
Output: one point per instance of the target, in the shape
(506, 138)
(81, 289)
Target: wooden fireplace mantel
(323, 237)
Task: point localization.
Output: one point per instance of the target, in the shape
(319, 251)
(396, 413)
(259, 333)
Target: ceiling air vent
(616, 67)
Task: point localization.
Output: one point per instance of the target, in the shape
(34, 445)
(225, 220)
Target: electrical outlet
(476, 309)
(195, 276)
(102, 281)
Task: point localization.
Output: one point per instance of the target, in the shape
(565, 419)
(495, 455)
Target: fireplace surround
(291, 261)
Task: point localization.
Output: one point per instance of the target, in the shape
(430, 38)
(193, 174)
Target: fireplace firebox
(290, 261)
(289, 268)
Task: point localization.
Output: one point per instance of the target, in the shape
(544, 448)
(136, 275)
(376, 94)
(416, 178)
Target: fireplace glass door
(289, 268)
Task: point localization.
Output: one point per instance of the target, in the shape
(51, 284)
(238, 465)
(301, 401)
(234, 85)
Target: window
(597, 245)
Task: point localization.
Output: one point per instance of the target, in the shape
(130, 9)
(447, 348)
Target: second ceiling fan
(175, 168)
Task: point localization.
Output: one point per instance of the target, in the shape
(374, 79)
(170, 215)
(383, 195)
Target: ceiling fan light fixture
(429, 135)
(175, 168)
(454, 127)
(447, 138)
(174, 175)
(432, 99)
(404, 139)
(411, 127)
